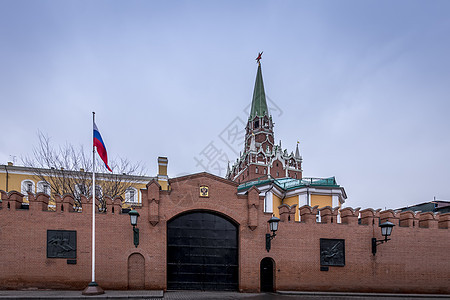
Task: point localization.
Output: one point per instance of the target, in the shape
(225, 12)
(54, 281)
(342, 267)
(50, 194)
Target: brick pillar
(350, 216)
(153, 189)
(58, 202)
(428, 220)
(408, 219)
(370, 216)
(40, 202)
(109, 204)
(328, 214)
(86, 205)
(287, 213)
(68, 202)
(3, 197)
(389, 215)
(116, 207)
(308, 214)
(253, 205)
(444, 221)
(15, 200)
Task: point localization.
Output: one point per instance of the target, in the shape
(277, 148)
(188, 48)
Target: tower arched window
(256, 170)
(256, 124)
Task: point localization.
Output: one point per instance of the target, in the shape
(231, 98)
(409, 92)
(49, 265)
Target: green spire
(259, 104)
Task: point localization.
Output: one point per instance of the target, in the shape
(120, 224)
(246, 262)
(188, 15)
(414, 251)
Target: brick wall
(415, 260)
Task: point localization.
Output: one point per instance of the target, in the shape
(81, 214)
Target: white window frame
(128, 195)
(41, 187)
(77, 191)
(98, 191)
(24, 186)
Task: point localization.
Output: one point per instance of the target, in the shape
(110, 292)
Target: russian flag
(101, 149)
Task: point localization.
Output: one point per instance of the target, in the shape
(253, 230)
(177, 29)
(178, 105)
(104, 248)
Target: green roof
(291, 183)
(259, 104)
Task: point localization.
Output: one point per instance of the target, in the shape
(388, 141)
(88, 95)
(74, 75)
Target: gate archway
(267, 269)
(202, 252)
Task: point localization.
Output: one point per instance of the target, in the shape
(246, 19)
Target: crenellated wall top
(13, 200)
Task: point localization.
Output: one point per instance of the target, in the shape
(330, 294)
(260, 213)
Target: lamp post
(273, 225)
(386, 230)
(134, 215)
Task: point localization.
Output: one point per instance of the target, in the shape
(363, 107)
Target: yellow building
(306, 191)
(29, 180)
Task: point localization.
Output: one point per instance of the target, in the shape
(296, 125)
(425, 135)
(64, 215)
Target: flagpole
(93, 203)
(93, 288)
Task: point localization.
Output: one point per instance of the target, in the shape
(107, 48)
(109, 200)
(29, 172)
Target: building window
(318, 218)
(80, 189)
(27, 186)
(131, 195)
(265, 171)
(98, 191)
(256, 170)
(256, 124)
(278, 174)
(43, 187)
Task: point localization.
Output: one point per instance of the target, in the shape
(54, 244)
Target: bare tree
(68, 170)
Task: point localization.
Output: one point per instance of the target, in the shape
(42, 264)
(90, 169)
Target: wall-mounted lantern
(386, 230)
(134, 215)
(273, 225)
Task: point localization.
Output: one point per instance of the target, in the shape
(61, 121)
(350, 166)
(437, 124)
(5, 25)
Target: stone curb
(378, 295)
(40, 294)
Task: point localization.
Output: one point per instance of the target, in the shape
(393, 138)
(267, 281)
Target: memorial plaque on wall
(332, 252)
(61, 244)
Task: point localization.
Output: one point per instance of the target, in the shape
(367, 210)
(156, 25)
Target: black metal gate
(202, 252)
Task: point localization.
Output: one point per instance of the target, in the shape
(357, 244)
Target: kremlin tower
(261, 158)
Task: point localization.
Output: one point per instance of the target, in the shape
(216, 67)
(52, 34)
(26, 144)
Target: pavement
(188, 295)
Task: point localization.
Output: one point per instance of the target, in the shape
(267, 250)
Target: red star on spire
(259, 56)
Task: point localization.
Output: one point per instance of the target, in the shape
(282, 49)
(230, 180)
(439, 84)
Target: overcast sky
(363, 85)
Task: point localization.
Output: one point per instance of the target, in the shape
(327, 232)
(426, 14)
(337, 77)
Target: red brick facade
(415, 260)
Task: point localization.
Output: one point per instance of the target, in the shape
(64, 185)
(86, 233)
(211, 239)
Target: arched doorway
(267, 271)
(136, 271)
(202, 252)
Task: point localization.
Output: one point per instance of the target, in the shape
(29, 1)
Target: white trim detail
(302, 200)
(25, 187)
(334, 200)
(268, 203)
(44, 187)
(131, 195)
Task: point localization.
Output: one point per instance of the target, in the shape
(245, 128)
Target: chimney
(163, 179)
